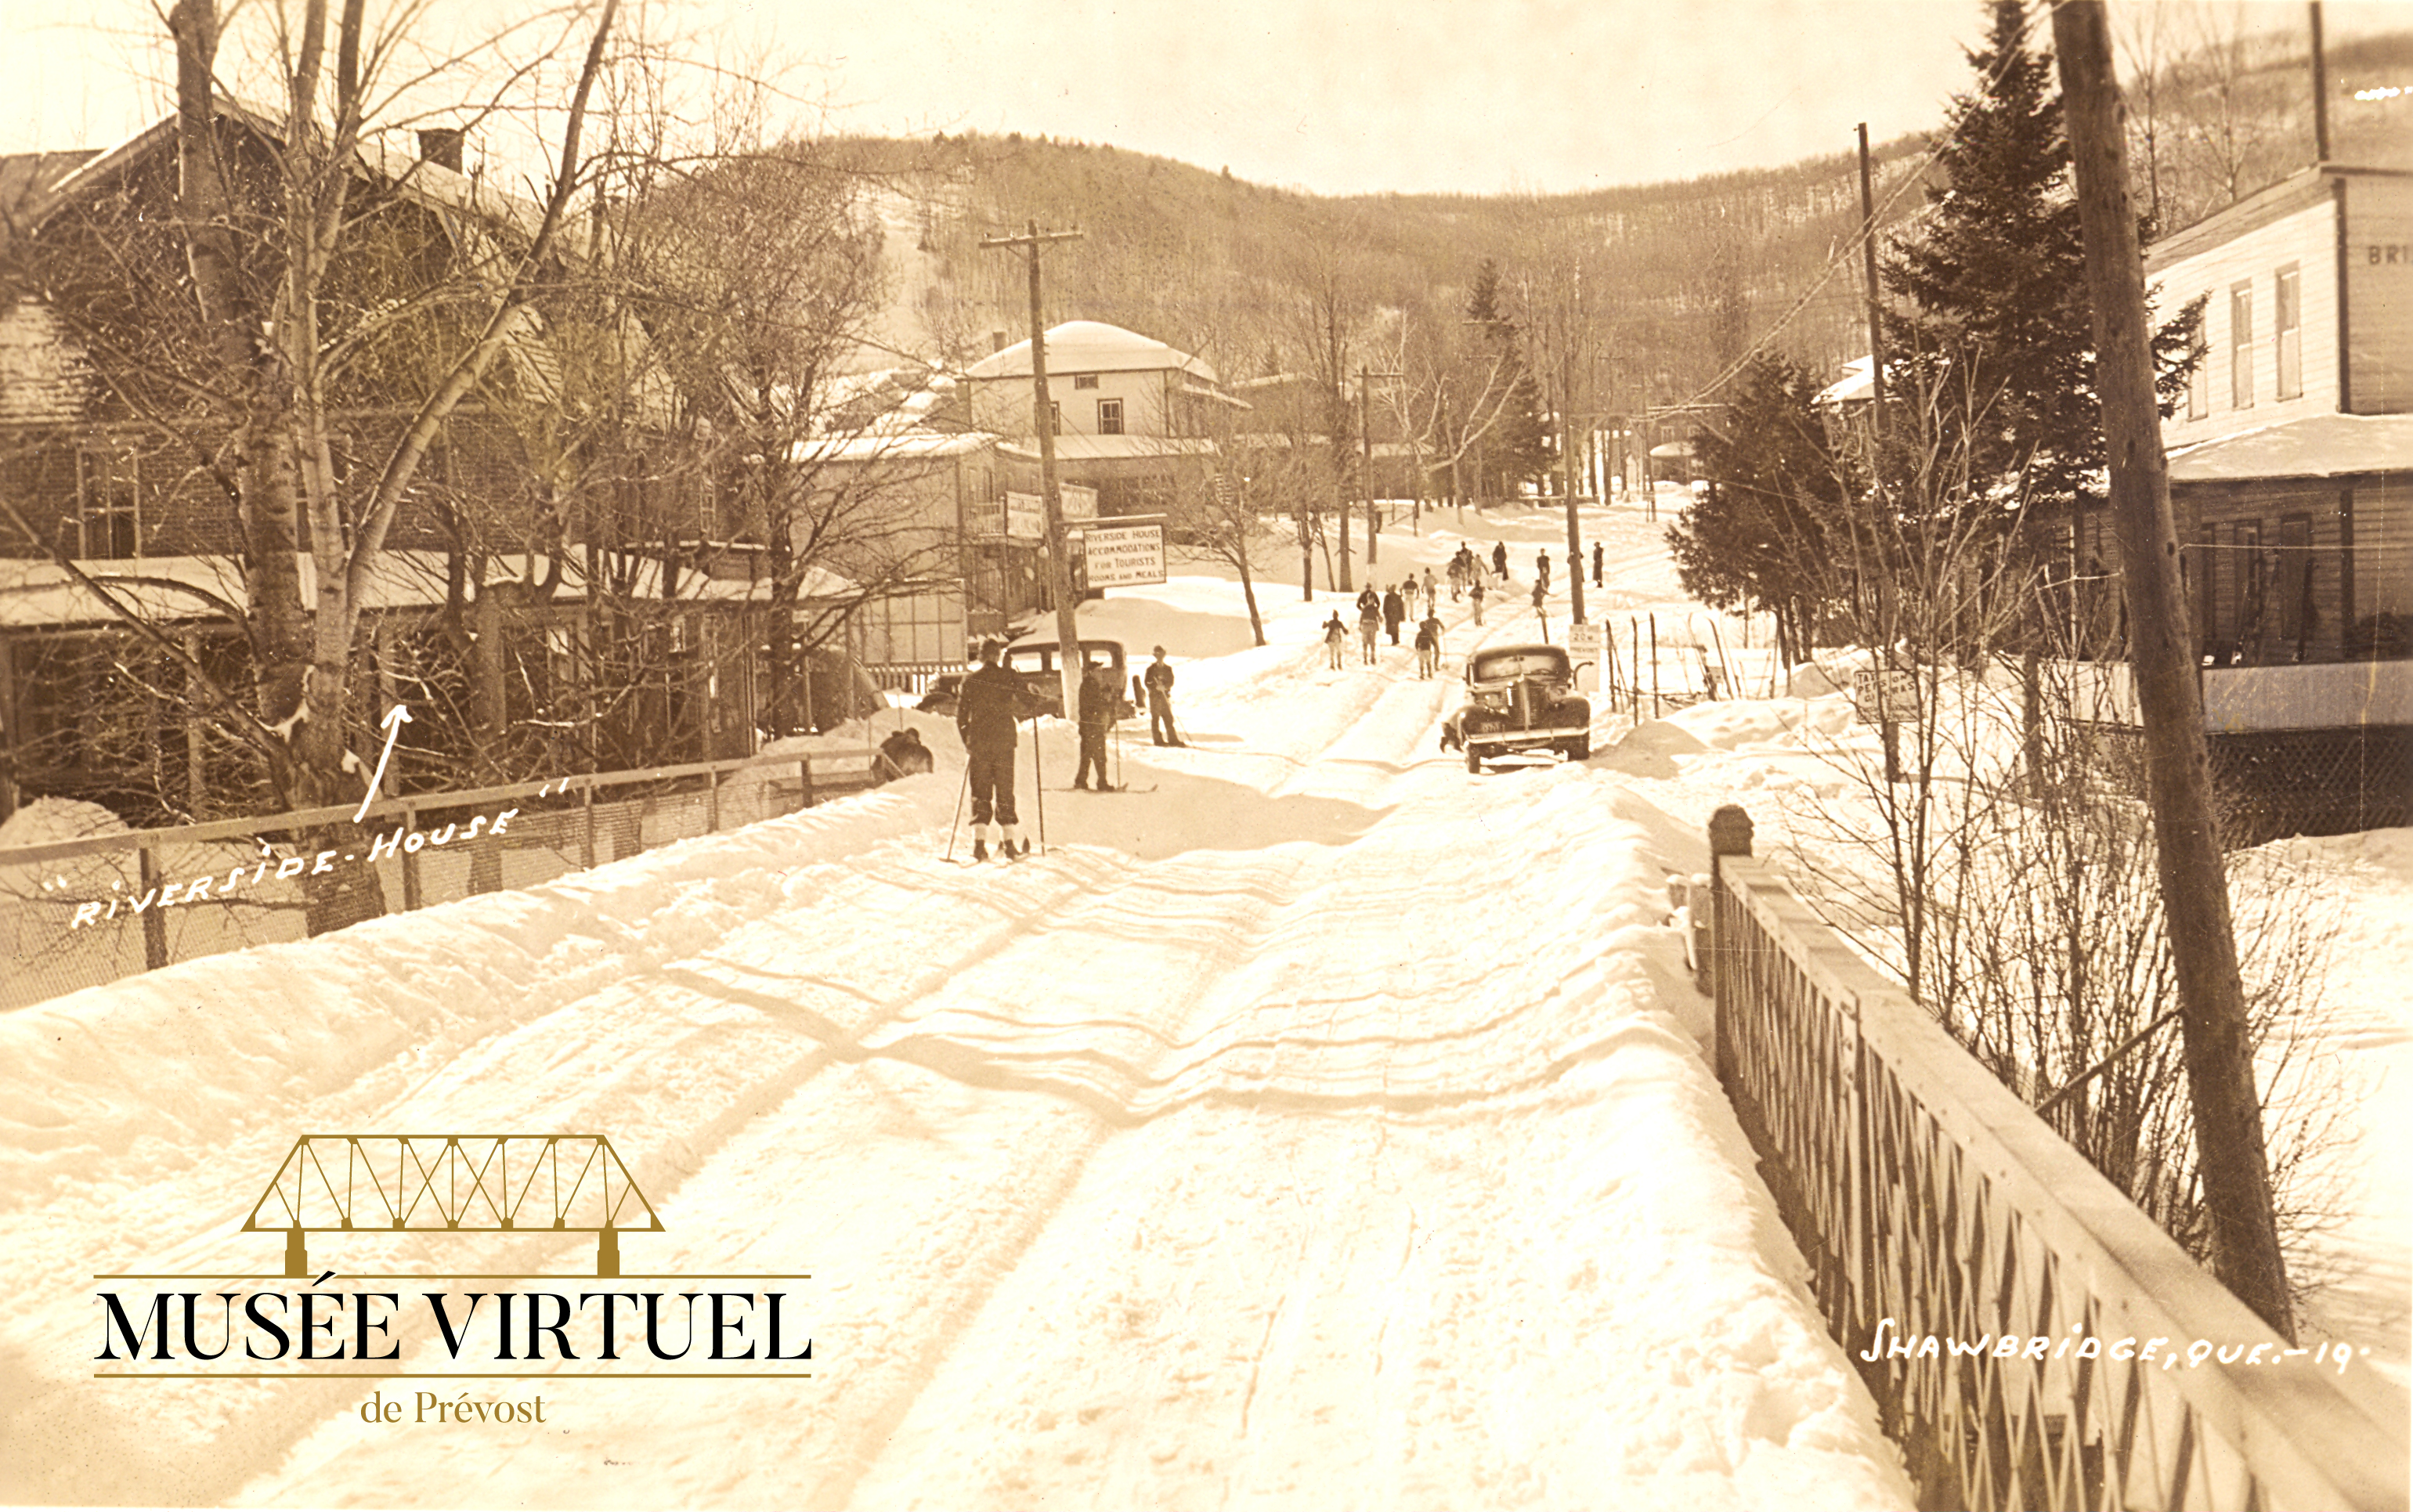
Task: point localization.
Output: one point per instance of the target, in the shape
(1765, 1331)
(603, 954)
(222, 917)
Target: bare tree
(247, 355)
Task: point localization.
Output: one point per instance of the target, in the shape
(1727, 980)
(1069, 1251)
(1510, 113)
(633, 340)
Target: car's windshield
(1505, 665)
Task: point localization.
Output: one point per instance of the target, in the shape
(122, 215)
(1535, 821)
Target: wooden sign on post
(1885, 695)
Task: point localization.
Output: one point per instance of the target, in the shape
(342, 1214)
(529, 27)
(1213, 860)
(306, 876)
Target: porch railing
(1941, 1218)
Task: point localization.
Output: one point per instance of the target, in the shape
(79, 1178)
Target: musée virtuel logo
(362, 1184)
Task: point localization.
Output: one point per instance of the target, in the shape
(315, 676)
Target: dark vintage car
(1518, 698)
(1034, 662)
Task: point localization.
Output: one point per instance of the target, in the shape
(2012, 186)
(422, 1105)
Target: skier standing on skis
(1428, 646)
(1474, 591)
(1595, 564)
(1159, 701)
(1542, 570)
(987, 706)
(1500, 559)
(1335, 635)
(1097, 717)
(1395, 613)
(1369, 623)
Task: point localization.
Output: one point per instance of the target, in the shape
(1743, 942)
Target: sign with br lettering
(1026, 517)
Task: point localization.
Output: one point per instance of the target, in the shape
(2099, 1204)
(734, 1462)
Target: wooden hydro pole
(2229, 1151)
(1042, 420)
(1891, 730)
(1365, 472)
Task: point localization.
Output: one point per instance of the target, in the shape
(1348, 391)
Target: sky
(1334, 96)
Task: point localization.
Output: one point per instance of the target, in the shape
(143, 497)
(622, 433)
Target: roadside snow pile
(45, 821)
(166, 1064)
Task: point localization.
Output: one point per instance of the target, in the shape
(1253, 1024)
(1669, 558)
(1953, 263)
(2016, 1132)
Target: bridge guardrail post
(155, 923)
(1730, 832)
(413, 898)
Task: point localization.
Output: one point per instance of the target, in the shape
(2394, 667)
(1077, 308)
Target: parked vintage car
(1518, 698)
(1034, 662)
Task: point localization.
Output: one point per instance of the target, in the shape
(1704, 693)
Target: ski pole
(1039, 781)
(961, 788)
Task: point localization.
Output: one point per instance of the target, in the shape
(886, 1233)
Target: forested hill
(1679, 279)
(1686, 274)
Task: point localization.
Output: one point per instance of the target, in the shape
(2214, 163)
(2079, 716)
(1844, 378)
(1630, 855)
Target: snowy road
(1316, 1129)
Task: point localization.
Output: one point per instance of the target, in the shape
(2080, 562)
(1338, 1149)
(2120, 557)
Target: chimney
(996, 341)
(441, 145)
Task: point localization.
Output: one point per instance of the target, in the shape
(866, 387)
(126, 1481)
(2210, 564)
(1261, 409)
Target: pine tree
(1990, 309)
(1517, 449)
(1760, 536)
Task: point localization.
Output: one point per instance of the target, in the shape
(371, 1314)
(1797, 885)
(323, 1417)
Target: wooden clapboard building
(2290, 457)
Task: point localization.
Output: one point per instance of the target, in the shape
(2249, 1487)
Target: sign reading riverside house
(1121, 555)
(352, 1188)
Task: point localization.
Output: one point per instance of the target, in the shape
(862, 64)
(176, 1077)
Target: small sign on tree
(1885, 695)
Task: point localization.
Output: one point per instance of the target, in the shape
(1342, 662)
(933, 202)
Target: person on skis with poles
(987, 708)
(1096, 718)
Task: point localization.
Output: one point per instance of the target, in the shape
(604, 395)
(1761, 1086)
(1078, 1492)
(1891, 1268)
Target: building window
(1085, 380)
(2288, 332)
(108, 510)
(2199, 401)
(1110, 417)
(2241, 346)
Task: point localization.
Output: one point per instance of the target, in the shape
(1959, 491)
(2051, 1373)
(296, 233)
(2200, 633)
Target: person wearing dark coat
(1395, 611)
(1542, 570)
(1159, 682)
(1096, 718)
(902, 754)
(987, 706)
(1368, 602)
(1500, 559)
(1595, 564)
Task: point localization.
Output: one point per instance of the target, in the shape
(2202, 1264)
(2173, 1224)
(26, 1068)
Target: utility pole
(1042, 420)
(1366, 467)
(2320, 91)
(2234, 1165)
(1869, 272)
(1891, 730)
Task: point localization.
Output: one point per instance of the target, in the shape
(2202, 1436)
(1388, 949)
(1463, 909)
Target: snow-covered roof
(901, 445)
(1858, 382)
(2318, 446)
(38, 592)
(1072, 447)
(1091, 346)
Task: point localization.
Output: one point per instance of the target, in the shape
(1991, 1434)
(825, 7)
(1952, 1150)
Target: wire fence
(2031, 1338)
(84, 911)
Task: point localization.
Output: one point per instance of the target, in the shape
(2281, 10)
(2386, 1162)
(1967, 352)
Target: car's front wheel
(1473, 760)
(1578, 749)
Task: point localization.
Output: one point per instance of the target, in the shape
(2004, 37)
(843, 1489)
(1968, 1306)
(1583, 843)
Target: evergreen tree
(1991, 305)
(1760, 536)
(1517, 449)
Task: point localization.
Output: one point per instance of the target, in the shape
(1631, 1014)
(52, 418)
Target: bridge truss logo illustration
(453, 1183)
